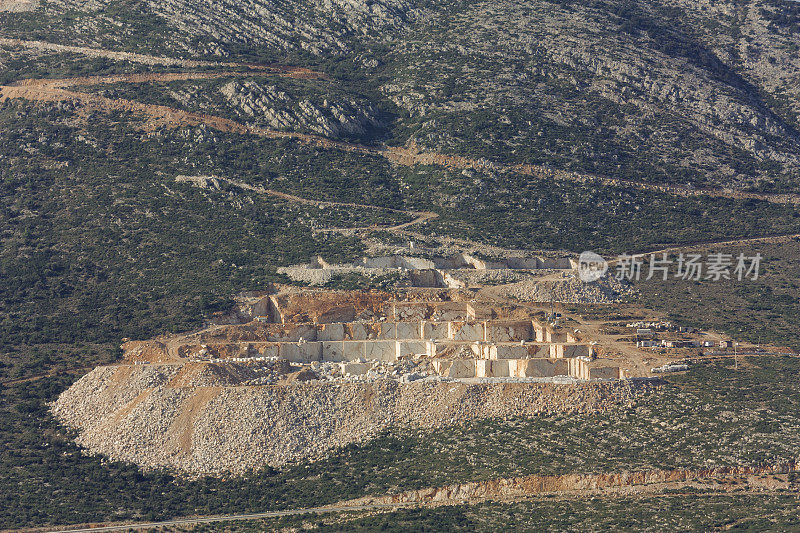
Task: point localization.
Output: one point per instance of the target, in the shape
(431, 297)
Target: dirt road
(144, 59)
(163, 116)
(771, 478)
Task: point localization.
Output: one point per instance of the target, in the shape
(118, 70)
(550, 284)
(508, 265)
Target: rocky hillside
(319, 26)
(700, 93)
(703, 93)
(269, 106)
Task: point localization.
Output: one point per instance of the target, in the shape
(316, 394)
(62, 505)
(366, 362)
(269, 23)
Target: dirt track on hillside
(144, 59)
(158, 116)
(697, 483)
(162, 116)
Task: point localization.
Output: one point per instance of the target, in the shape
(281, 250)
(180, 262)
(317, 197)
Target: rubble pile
(309, 371)
(570, 289)
(163, 416)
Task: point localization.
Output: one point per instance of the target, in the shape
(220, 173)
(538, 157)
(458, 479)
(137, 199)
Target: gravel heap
(175, 416)
(570, 290)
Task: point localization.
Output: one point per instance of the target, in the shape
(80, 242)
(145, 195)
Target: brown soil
(522, 487)
(186, 375)
(165, 117)
(144, 58)
(181, 431)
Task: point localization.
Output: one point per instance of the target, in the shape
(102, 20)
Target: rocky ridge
(319, 26)
(659, 86)
(267, 105)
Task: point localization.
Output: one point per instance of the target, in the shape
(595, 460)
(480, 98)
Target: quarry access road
(764, 239)
(163, 116)
(419, 216)
(133, 78)
(144, 59)
(223, 518)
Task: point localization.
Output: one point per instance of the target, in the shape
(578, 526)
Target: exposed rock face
(266, 105)
(665, 90)
(18, 6)
(180, 417)
(662, 87)
(526, 486)
(317, 26)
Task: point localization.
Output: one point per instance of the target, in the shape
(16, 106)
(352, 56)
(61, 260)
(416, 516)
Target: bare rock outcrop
(18, 6)
(267, 105)
(316, 26)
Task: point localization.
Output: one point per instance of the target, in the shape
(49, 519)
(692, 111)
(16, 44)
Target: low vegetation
(705, 418)
(683, 512)
(762, 311)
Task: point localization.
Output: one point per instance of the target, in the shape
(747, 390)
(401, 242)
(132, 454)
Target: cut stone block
(388, 331)
(436, 330)
(508, 351)
(361, 331)
(578, 368)
(500, 368)
(509, 331)
(441, 366)
(430, 348)
(380, 350)
(555, 335)
(517, 368)
(267, 349)
(479, 350)
(578, 350)
(470, 312)
(444, 348)
(461, 368)
(303, 352)
(330, 332)
(570, 350)
(408, 348)
(485, 368)
(409, 330)
(333, 351)
(546, 368)
(539, 331)
(467, 331)
(605, 372)
(352, 350)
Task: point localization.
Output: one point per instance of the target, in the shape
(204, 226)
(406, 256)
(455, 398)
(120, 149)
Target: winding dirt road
(51, 90)
(419, 216)
(143, 59)
(159, 116)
